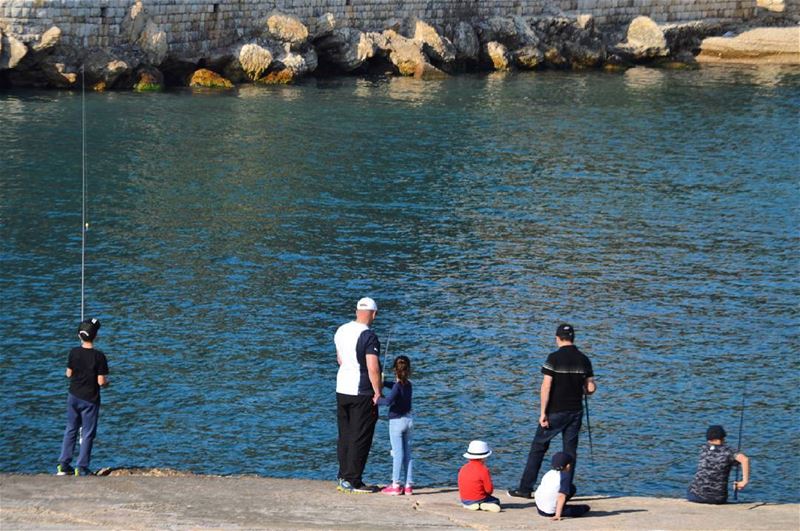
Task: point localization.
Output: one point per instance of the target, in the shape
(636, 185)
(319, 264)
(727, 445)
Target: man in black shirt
(567, 377)
(87, 370)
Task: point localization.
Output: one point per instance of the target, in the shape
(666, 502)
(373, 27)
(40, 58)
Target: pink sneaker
(393, 490)
(408, 491)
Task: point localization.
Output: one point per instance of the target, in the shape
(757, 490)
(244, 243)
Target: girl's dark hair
(402, 368)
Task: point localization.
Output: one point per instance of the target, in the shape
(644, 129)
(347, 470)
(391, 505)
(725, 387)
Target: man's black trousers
(356, 417)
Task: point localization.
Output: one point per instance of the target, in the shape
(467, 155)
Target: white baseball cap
(478, 450)
(367, 304)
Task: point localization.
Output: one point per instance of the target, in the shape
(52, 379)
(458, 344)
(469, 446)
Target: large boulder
(249, 62)
(101, 66)
(287, 28)
(570, 41)
(153, 42)
(134, 21)
(439, 49)
(645, 40)
(13, 51)
(512, 32)
(140, 29)
(294, 64)
(404, 53)
(498, 55)
(528, 57)
(204, 78)
(59, 75)
(466, 42)
(148, 79)
(345, 49)
(48, 40)
(687, 37)
(322, 26)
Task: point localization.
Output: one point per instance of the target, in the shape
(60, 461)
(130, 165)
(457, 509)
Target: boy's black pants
(356, 416)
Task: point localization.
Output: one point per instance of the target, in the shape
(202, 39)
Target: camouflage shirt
(711, 479)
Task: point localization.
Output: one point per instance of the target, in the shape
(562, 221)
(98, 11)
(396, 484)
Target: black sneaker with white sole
(64, 469)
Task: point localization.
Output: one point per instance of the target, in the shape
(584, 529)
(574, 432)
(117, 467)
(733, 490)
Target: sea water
(231, 233)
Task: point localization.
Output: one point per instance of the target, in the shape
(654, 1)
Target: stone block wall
(198, 26)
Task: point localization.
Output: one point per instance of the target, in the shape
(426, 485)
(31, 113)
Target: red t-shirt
(474, 481)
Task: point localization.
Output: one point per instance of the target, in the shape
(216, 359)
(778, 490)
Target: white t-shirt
(546, 496)
(354, 341)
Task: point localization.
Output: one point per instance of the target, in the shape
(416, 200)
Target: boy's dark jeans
(567, 423)
(80, 414)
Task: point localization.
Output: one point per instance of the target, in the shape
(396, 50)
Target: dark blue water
(230, 235)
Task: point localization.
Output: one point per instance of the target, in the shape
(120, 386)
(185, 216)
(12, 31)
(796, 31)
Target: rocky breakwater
(284, 49)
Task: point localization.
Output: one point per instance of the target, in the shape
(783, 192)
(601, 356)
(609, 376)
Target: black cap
(565, 331)
(561, 460)
(715, 432)
(88, 328)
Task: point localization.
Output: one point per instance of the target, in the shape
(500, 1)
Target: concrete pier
(249, 502)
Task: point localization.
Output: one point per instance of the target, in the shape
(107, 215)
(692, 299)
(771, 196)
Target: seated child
(475, 481)
(556, 489)
(710, 484)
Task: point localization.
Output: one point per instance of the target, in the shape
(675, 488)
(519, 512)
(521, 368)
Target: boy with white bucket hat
(475, 481)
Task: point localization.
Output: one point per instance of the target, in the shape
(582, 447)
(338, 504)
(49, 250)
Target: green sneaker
(83, 471)
(64, 469)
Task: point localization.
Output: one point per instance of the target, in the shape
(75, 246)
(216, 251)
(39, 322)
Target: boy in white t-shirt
(556, 489)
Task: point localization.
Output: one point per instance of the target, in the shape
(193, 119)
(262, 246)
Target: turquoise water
(230, 235)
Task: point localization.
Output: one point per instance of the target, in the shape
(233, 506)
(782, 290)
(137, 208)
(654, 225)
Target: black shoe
(515, 493)
(64, 469)
(361, 488)
(83, 471)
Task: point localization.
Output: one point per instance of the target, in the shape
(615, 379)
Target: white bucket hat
(367, 304)
(478, 450)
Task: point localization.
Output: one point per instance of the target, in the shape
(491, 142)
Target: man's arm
(68, 374)
(102, 380)
(745, 462)
(544, 398)
(374, 371)
(589, 387)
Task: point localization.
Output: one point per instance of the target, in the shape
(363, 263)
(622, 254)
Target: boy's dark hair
(560, 460)
(402, 368)
(565, 332)
(88, 328)
(715, 432)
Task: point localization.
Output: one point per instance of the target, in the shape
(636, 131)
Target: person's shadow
(601, 514)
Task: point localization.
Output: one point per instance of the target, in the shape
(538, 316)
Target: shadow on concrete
(517, 505)
(428, 491)
(601, 514)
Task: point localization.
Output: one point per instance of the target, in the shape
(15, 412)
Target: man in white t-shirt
(358, 388)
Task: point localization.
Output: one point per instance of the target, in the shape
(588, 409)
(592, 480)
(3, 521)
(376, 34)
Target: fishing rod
(739, 444)
(589, 428)
(386, 356)
(84, 223)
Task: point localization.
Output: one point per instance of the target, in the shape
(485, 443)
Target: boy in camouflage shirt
(710, 484)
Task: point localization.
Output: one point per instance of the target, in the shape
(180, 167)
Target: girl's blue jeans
(400, 438)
